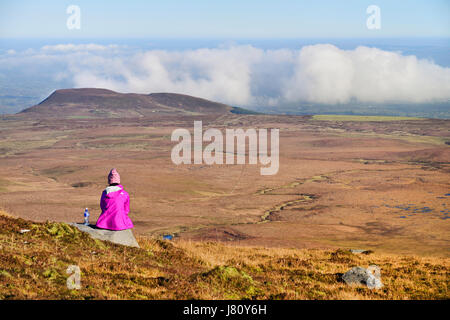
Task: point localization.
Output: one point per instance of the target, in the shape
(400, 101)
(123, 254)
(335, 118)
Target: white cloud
(326, 74)
(245, 75)
(223, 75)
(78, 47)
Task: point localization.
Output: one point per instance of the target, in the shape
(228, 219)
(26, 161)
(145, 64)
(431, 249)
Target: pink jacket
(115, 205)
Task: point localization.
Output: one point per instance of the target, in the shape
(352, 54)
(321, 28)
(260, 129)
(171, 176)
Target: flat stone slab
(357, 251)
(360, 251)
(123, 237)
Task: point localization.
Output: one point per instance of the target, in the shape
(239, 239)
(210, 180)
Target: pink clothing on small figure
(113, 177)
(115, 205)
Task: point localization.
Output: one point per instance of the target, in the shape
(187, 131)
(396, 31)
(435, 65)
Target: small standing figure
(86, 217)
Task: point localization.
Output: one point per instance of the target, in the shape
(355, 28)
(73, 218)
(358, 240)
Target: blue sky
(244, 53)
(224, 19)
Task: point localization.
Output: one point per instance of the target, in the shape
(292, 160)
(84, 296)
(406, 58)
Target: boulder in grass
(123, 237)
(370, 277)
(361, 251)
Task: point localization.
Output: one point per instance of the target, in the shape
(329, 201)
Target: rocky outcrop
(123, 237)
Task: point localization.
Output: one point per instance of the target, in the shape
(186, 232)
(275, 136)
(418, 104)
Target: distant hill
(103, 103)
(435, 110)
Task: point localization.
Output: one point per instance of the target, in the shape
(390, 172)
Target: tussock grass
(33, 266)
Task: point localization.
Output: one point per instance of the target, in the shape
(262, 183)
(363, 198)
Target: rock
(356, 275)
(123, 237)
(375, 270)
(357, 251)
(370, 277)
(374, 283)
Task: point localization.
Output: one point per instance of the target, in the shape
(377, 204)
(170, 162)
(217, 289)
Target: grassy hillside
(438, 110)
(33, 266)
(336, 117)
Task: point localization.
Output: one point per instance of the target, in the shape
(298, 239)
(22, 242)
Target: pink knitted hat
(113, 176)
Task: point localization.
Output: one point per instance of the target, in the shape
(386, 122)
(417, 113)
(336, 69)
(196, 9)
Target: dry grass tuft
(33, 266)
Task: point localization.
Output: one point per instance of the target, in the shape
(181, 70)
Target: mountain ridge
(104, 103)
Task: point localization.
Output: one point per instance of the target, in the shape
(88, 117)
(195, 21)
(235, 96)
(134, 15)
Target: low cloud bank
(246, 76)
(78, 47)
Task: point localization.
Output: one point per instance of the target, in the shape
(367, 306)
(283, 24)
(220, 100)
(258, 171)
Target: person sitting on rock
(115, 205)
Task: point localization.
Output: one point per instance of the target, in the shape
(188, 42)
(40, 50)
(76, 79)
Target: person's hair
(113, 184)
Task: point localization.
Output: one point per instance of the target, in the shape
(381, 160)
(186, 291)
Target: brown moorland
(370, 183)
